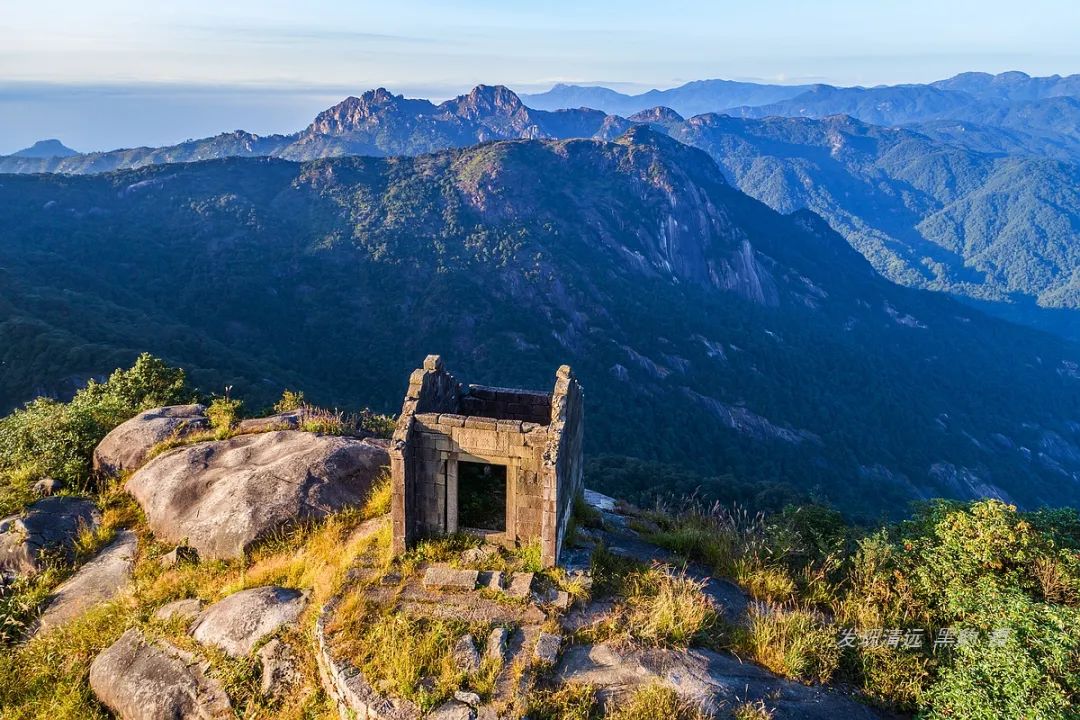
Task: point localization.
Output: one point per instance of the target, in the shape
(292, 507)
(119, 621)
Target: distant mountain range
(693, 98)
(1011, 113)
(1000, 227)
(377, 123)
(708, 330)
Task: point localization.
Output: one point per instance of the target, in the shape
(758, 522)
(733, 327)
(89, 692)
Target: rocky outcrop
(186, 609)
(280, 668)
(140, 680)
(240, 621)
(223, 496)
(49, 525)
(712, 679)
(281, 421)
(127, 446)
(97, 581)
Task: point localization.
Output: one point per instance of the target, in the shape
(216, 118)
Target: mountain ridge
(966, 217)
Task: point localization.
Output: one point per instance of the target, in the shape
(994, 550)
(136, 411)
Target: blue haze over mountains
(967, 185)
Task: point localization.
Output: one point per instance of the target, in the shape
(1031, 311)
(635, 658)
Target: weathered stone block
(491, 580)
(547, 649)
(520, 585)
(496, 643)
(442, 577)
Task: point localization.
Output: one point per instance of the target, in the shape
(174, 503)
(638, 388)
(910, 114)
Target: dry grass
(409, 657)
(770, 583)
(657, 605)
(751, 711)
(723, 538)
(657, 702)
(45, 678)
(791, 642)
(572, 701)
(1056, 583)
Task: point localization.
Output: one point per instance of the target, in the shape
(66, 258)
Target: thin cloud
(281, 34)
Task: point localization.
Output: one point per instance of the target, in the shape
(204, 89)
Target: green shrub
(992, 571)
(223, 414)
(289, 402)
(46, 438)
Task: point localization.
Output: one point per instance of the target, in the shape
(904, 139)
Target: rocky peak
(353, 113)
(46, 149)
(658, 114)
(485, 100)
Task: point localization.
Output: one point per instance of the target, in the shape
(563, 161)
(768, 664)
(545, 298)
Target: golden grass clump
(657, 606)
(571, 701)
(770, 582)
(792, 642)
(407, 656)
(657, 702)
(751, 711)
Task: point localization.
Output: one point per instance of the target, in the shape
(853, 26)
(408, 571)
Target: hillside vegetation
(709, 331)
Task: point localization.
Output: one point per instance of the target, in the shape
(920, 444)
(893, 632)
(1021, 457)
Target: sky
(120, 73)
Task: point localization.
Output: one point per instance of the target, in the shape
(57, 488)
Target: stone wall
(535, 436)
(431, 389)
(350, 692)
(563, 459)
(438, 442)
(507, 404)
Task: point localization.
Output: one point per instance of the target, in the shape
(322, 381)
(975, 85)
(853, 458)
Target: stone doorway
(482, 493)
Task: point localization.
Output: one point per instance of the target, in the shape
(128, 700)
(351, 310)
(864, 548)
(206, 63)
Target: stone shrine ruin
(505, 464)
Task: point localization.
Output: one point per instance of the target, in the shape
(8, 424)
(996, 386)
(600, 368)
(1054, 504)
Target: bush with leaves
(47, 438)
(1011, 580)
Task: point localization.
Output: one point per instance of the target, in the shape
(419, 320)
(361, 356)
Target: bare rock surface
(452, 710)
(50, 524)
(547, 648)
(713, 679)
(126, 447)
(290, 420)
(280, 668)
(496, 643)
(97, 581)
(47, 487)
(520, 585)
(237, 623)
(223, 496)
(599, 500)
(139, 680)
(186, 609)
(466, 655)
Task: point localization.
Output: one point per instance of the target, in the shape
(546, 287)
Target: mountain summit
(51, 148)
